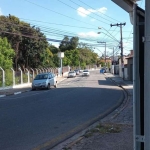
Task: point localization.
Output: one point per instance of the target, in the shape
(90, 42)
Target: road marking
(2, 95)
(17, 93)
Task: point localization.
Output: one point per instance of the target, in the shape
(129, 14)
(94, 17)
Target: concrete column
(147, 76)
(136, 81)
(13, 76)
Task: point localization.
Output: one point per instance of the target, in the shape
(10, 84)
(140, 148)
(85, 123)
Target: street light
(110, 35)
(61, 55)
(105, 51)
(98, 50)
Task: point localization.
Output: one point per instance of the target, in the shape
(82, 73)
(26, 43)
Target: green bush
(25, 78)
(8, 77)
(1, 79)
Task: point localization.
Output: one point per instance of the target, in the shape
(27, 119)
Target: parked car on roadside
(44, 81)
(71, 74)
(81, 71)
(85, 73)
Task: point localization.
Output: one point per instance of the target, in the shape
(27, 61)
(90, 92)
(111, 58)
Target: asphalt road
(39, 119)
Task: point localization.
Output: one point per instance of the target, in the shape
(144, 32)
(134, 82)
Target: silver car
(44, 80)
(71, 74)
(85, 73)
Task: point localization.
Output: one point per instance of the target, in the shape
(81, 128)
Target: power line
(58, 24)
(54, 11)
(90, 11)
(81, 12)
(121, 45)
(100, 12)
(55, 31)
(58, 13)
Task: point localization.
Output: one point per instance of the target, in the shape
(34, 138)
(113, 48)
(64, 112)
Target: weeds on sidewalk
(103, 129)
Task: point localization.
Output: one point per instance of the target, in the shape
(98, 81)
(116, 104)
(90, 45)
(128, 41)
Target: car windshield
(41, 76)
(76, 70)
(85, 71)
(71, 72)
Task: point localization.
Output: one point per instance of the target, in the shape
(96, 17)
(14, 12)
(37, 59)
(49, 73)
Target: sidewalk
(13, 91)
(115, 131)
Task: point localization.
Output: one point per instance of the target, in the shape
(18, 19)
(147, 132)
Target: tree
(73, 43)
(64, 45)
(68, 44)
(28, 42)
(6, 54)
(53, 49)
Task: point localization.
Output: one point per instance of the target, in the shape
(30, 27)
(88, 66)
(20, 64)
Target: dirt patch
(106, 137)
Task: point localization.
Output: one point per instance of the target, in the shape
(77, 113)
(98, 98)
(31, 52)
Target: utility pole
(121, 45)
(113, 54)
(105, 51)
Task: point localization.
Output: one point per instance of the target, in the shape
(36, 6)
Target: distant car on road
(81, 71)
(44, 80)
(85, 73)
(77, 72)
(71, 74)
(103, 70)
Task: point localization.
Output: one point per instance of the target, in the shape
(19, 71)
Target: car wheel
(33, 89)
(55, 86)
(48, 86)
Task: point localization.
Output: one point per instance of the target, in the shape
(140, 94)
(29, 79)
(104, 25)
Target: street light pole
(105, 51)
(121, 45)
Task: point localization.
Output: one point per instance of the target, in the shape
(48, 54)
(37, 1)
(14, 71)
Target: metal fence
(10, 77)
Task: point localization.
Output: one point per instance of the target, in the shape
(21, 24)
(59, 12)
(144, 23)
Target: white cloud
(84, 12)
(102, 10)
(88, 34)
(1, 12)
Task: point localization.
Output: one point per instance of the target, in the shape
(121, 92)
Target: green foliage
(108, 65)
(25, 78)
(102, 64)
(87, 56)
(71, 58)
(8, 77)
(6, 54)
(68, 44)
(29, 50)
(33, 51)
(53, 49)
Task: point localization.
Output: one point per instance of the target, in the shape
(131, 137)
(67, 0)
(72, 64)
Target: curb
(124, 102)
(15, 93)
(20, 92)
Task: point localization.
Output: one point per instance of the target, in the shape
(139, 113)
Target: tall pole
(136, 84)
(113, 54)
(61, 65)
(147, 77)
(105, 51)
(105, 54)
(121, 45)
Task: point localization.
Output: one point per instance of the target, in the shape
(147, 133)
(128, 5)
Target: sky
(82, 18)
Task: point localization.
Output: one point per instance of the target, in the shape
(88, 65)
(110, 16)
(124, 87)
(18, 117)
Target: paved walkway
(121, 119)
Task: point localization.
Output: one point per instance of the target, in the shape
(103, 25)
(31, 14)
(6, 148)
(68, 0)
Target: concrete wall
(130, 69)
